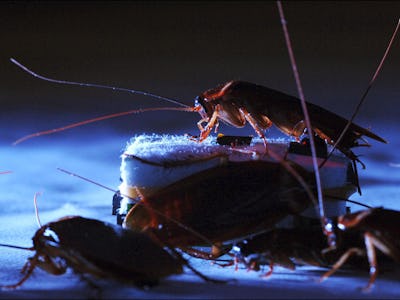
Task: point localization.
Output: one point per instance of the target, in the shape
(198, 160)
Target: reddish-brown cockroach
(285, 247)
(94, 248)
(238, 102)
(225, 202)
(371, 229)
(380, 229)
(289, 247)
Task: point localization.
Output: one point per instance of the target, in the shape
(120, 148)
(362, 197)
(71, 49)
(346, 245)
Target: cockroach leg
(211, 123)
(253, 123)
(194, 270)
(228, 262)
(341, 261)
(217, 250)
(27, 270)
(373, 266)
(270, 271)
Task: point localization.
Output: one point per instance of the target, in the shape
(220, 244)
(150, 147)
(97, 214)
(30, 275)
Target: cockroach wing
(222, 203)
(331, 125)
(285, 112)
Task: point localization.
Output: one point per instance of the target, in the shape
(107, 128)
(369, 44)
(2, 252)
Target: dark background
(178, 49)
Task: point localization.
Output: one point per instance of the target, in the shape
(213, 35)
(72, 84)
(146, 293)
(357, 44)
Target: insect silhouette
(96, 249)
(361, 233)
(304, 244)
(380, 230)
(238, 102)
(284, 247)
(101, 250)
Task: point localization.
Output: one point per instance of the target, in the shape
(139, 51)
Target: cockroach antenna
(306, 115)
(5, 172)
(36, 208)
(183, 107)
(101, 118)
(350, 201)
(378, 69)
(88, 180)
(37, 220)
(114, 88)
(17, 247)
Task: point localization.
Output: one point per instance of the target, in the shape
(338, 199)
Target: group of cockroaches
(154, 239)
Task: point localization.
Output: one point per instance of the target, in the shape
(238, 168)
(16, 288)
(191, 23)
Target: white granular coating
(190, 156)
(179, 147)
(174, 147)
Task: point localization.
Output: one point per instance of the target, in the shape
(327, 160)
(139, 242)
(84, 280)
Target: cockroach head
(203, 107)
(354, 219)
(45, 235)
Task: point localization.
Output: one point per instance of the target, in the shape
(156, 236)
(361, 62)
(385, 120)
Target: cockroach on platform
(94, 248)
(239, 102)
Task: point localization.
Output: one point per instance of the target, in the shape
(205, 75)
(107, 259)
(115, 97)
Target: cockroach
(225, 202)
(285, 247)
(94, 248)
(360, 233)
(380, 229)
(304, 244)
(238, 102)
